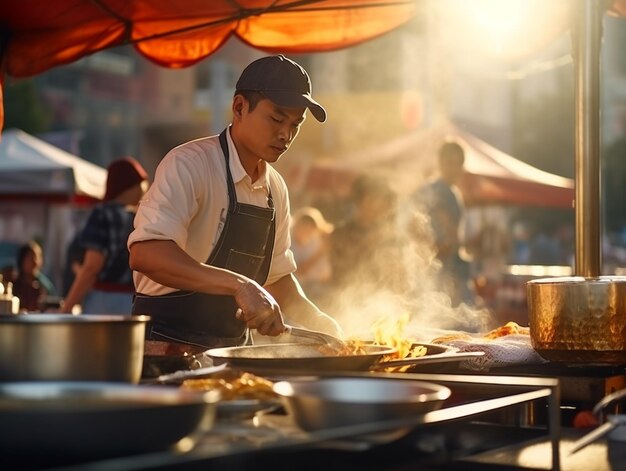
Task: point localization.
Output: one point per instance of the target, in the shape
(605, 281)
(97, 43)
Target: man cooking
(211, 248)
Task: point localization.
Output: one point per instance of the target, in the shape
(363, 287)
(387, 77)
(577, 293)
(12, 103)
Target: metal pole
(587, 39)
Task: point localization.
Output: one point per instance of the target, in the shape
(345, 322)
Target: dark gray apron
(245, 246)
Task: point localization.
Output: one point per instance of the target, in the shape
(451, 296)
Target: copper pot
(583, 318)
(578, 320)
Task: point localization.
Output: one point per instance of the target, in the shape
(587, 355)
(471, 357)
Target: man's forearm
(167, 264)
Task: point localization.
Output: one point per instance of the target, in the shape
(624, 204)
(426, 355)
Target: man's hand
(299, 309)
(258, 309)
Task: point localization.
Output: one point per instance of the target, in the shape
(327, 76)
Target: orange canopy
(42, 33)
(36, 35)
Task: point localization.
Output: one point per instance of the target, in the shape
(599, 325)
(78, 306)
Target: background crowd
(372, 240)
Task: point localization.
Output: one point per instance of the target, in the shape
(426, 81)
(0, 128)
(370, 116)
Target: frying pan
(296, 357)
(307, 358)
(64, 422)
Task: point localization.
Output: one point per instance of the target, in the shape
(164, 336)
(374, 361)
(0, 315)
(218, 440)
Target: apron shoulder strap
(232, 194)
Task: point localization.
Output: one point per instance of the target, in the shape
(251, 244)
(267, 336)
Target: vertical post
(587, 39)
(554, 425)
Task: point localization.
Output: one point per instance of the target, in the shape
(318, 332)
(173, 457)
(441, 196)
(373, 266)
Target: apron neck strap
(232, 194)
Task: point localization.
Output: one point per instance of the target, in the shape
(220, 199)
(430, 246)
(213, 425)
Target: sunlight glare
(503, 27)
(497, 18)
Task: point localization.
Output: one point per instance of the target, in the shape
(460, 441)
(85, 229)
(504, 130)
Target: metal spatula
(181, 375)
(319, 337)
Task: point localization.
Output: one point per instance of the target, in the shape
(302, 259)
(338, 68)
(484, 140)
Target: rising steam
(406, 285)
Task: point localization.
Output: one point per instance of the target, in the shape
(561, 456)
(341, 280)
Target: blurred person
(521, 244)
(310, 247)
(490, 249)
(366, 250)
(545, 248)
(8, 273)
(73, 261)
(442, 201)
(565, 236)
(211, 246)
(103, 282)
(29, 283)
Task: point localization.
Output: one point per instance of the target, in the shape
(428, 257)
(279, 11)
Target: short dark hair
(253, 97)
(29, 247)
(451, 150)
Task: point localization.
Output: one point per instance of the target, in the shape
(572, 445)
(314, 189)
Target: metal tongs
(178, 377)
(613, 421)
(319, 337)
(315, 335)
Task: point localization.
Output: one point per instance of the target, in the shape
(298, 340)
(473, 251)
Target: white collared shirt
(188, 202)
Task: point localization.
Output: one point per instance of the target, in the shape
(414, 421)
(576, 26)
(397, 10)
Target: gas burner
(582, 386)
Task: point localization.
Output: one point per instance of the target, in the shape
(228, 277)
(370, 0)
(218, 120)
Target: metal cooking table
(273, 438)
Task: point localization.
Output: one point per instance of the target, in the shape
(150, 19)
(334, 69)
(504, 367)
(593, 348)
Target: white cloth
(503, 351)
(188, 202)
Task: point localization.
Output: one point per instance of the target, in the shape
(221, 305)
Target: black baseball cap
(283, 81)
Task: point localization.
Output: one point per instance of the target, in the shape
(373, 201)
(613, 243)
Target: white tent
(32, 168)
(43, 191)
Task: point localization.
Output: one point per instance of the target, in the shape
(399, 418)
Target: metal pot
(583, 318)
(577, 319)
(64, 347)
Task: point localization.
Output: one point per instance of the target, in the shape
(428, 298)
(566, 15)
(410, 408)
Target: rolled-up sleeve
(171, 202)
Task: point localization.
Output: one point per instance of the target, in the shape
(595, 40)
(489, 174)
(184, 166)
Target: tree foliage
(24, 109)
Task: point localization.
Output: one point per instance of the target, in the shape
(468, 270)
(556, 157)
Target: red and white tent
(492, 176)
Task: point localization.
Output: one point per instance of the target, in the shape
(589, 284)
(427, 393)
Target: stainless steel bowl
(320, 403)
(64, 347)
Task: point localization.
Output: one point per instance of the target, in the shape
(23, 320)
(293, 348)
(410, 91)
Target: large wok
(308, 358)
(296, 357)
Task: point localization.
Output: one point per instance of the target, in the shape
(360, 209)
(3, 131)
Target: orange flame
(390, 331)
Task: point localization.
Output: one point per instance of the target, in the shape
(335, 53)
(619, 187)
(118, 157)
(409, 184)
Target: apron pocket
(244, 263)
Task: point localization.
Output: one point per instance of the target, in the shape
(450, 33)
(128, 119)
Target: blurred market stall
(492, 176)
(44, 194)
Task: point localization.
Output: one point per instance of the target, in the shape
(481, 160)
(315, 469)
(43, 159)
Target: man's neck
(249, 161)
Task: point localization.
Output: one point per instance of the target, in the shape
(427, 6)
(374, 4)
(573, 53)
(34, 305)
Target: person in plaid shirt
(103, 284)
